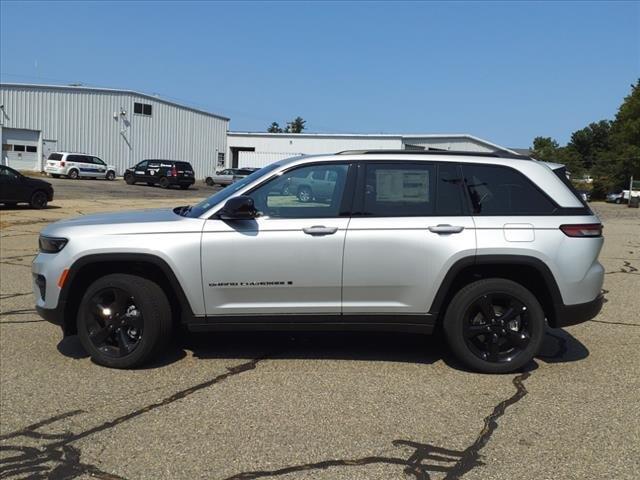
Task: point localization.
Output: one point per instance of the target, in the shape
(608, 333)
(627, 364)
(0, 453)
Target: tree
(296, 125)
(592, 141)
(545, 149)
(274, 128)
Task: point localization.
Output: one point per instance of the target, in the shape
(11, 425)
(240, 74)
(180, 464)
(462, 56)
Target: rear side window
(399, 190)
(75, 158)
(184, 166)
(498, 190)
(55, 156)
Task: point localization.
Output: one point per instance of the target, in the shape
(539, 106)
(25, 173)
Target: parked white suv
(77, 165)
(489, 248)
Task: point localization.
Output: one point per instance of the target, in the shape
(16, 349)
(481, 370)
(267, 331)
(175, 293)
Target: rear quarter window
(499, 190)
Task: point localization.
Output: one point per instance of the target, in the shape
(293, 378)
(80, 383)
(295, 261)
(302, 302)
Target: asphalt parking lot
(312, 406)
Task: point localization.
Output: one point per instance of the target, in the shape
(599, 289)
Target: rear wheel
(73, 174)
(123, 320)
(129, 179)
(164, 182)
(111, 175)
(209, 181)
(618, 201)
(494, 325)
(38, 200)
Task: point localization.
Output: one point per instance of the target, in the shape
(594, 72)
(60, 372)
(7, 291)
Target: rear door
(410, 224)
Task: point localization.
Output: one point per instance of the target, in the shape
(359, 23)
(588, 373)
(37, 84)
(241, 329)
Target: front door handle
(320, 230)
(442, 228)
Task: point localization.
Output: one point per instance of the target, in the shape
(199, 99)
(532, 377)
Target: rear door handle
(320, 230)
(446, 228)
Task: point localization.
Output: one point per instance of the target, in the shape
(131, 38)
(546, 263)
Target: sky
(506, 72)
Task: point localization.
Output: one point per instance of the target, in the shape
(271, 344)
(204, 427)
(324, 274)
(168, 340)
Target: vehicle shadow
(558, 346)
(27, 207)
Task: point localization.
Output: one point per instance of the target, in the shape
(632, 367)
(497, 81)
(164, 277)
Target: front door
(286, 261)
(411, 225)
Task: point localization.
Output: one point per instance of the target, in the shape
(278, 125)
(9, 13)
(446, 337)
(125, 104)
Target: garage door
(20, 149)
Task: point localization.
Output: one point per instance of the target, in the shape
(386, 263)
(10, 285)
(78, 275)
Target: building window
(32, 149)
(221, 159)
(18, 148)
(7, 147)
(142, 109)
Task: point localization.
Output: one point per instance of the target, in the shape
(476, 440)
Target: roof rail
(495, 154)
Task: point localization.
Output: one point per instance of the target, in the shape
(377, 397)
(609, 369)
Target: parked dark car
(161, 172)
(16, 188)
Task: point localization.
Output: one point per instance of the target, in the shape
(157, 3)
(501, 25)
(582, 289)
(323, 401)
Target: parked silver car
(485, 246)
(228, 176)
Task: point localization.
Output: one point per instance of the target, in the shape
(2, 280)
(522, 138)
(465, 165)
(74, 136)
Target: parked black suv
(17, 188)
(161, 172)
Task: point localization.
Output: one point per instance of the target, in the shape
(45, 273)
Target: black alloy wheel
(38, 199)
(114, 322)
(494, 325)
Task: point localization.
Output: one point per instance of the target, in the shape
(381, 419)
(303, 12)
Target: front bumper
(567, 315)
(51, 315)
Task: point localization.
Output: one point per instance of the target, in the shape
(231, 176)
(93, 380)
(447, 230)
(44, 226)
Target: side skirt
(381, 323)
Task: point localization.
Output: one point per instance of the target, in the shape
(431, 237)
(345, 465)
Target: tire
(184, 187)
(618, 201)
(209, 181)
(129, 179)
(471, 333)
(111, 175)
(139, 325)
(73, 174)
(38, 200)
(305, 194)
(164, 182)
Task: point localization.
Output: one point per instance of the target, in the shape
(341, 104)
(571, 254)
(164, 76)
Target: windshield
(200, 208)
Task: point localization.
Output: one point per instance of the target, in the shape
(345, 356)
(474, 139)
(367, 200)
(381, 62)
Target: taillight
(62, 164)
(582, 230)
(174, 173)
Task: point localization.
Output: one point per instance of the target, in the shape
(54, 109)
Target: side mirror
(238, 208)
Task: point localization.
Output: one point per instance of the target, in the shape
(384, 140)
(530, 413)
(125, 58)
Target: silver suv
(487, 247)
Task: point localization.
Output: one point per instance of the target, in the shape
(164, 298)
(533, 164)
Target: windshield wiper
(184, 210)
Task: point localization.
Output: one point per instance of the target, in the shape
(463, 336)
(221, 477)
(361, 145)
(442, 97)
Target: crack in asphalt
(626, 268)
(456, 463)
(24, 311)
(6, 296)
(617, 323)
(56, 458)
(16, 264)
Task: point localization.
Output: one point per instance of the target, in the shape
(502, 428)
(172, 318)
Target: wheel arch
(530, 272)
(89, 268)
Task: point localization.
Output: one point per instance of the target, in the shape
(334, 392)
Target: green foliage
(610, 150)
(274, 128)
(297, 125)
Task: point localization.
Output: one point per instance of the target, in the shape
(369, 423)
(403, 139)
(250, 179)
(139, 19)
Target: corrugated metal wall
(83, 120)
(448, 143)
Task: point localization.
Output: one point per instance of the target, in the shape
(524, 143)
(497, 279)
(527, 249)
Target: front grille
(41, 282)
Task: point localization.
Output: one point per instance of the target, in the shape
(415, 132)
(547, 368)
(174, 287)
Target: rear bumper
(567, 315)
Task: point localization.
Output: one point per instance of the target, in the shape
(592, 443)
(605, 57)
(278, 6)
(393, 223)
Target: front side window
(498, 190)
(399, 190)
(298, 194)
(142, 165)
(97, 161)
(8, 173)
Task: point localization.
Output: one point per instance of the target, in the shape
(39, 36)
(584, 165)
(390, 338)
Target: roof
(111, 90)
(399, 136)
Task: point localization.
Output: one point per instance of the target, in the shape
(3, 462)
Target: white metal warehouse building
(253, 149)
(121, 127)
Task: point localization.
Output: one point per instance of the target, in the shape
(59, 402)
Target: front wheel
(618, 201)
(494, 325)
(123, 320)
(111, 175)
(304, 194)
(209, 181)
(128, 178)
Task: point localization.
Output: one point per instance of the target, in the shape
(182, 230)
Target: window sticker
(402, 185)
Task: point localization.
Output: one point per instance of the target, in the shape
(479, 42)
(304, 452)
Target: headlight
(51, 245)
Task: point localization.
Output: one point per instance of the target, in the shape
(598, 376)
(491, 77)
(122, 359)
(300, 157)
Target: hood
(37, 181)
(135, 221)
